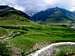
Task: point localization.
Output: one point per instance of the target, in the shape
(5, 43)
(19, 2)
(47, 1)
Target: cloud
(12, 3)
(72, 5)
(19, 7)
(33, 6)
(4, 2)
(67, 4)
(29, 4)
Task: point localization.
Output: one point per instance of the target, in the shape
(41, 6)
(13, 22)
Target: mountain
(11, 16)
(74, 12)
(54, 15)
(5, 10)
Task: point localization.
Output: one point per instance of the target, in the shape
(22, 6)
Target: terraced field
(31, 38)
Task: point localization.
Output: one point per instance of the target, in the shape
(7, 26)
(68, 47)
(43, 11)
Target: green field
(28, 36)
(64, 50)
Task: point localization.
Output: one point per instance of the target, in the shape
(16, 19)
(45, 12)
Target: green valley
(27, 36)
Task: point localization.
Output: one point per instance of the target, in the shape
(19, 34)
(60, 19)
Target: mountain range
(54, 15)
(49, 15)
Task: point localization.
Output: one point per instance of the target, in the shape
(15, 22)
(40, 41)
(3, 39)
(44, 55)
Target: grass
(15, 20)
(3, 32)
(31, 33)
(64, 50)
(31, 36)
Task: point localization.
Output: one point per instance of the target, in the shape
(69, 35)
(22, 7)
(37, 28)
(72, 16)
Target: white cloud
(72, 5)
(6, 2)
(72, 9)
(51, 2)
(12, 3)
(18, 7)
(67, 4)
(37, 5)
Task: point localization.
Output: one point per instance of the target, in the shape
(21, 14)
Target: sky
(33, 6)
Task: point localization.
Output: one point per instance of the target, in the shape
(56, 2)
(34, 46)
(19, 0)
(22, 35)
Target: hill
(54, 15)
(24, 36)
(11, 16)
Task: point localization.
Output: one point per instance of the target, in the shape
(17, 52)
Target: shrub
(4, 51)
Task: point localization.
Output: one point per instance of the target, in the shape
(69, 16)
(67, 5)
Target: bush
(4, 51)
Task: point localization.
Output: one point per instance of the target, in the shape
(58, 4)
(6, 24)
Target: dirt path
(47, 51)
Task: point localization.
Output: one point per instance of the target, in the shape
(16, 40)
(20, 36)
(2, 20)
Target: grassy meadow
(28, 36)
